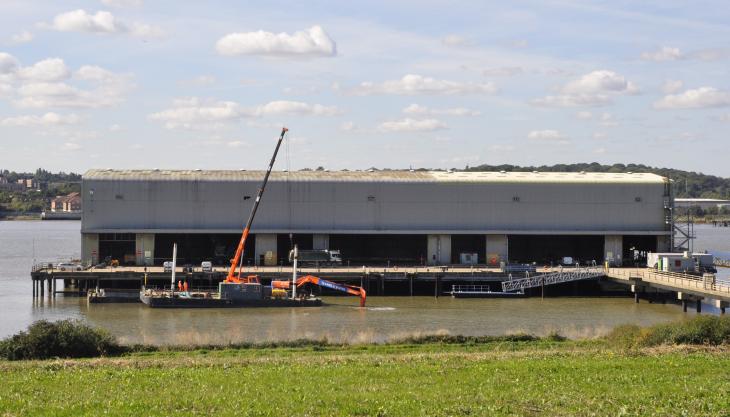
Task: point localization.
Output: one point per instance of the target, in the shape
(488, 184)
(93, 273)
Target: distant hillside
(686, 184)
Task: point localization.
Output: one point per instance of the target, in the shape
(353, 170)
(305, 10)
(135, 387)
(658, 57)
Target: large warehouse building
(375, 217)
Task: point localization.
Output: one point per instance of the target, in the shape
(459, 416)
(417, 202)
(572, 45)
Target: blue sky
(170, 84)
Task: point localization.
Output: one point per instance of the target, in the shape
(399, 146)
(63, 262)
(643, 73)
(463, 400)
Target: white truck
(317, 257)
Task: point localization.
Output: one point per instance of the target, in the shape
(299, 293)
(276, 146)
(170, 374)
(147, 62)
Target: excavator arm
(310, 279)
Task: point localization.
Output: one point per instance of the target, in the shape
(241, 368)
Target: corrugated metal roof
(373, 176)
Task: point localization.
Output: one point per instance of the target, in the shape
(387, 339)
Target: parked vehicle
(167, 266)
(69, 266)
(317, 256)
(187, 268)
(206, 266)
(567, 261)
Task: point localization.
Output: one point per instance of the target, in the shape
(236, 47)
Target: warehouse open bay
(385, 318)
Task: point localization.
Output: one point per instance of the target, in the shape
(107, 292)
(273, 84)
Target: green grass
(496, 378)
(676, 369)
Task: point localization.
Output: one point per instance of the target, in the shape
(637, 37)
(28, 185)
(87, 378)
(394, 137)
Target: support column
(688, 298)
(144, 249)
(90, 248)
(439, 249)
(497, 249)
(320, 241)
(722, 305)
(613, 249)
(663, 244)
(266, 248)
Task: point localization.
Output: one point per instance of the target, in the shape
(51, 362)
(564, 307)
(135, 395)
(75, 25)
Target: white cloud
(608, 120)
(22, 37)
(548, 135)
(502, 71)
(703, 97)
(71, 146)
(723, 117)
(311, 42)
(47, 70)
(412, 84)
(237, 144)
(115, 128)
(572, 100)
(599, 135)
(672, 86)
(296, 107)
(202, 80)
(194, 113)
(713, 54)
(601, 81)
(415, 109)
(593, 89)
(600, 151)
(584, 115)
(412, 125)
(456, 40)
(48, 119)
(8, 64)
(122, 3)
(665, 53)
(501, 148)
(101, 22)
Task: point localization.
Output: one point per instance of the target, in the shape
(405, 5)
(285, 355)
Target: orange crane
(238, 259)
(310, 279)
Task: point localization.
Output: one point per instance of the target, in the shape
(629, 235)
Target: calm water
(385, 317)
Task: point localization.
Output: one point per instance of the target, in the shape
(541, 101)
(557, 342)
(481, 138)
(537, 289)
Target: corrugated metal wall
(362, 207)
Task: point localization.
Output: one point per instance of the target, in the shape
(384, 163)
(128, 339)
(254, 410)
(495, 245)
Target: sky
(135, 84)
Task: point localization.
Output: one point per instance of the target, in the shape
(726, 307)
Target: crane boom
(238, 258)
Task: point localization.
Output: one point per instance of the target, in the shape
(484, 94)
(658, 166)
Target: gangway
(551, 278)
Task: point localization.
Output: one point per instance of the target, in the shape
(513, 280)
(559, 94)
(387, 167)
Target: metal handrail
(470, 288)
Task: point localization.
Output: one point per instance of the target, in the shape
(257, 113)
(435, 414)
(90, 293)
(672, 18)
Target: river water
(340, 320)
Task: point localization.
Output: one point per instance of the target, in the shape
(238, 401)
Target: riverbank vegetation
(632, 372)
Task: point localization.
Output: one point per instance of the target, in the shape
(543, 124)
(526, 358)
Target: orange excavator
(310, 279)
(238, 258)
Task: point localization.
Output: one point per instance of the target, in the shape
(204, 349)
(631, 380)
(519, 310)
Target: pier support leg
(436, 285)
(636, 297)
(699, 306)
(684, 306)
(42, 285)
(410, 285)
(722, 305)
(33, 288)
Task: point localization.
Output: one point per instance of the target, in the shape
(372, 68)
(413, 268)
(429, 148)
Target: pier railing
(471, 289)
(679, 280)
(562, 275)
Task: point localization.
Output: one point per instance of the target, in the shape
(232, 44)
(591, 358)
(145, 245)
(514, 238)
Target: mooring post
(436, 285)
(382, 284)
(410, 284)
(636, 297)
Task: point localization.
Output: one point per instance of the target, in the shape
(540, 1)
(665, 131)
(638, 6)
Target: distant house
(28, 183)
(11, 186)
(67, 203)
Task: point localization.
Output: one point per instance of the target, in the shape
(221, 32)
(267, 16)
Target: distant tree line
(37, 198)
(687, 184)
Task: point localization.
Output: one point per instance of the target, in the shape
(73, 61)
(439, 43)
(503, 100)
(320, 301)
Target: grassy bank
(672, 369)
(494, 378)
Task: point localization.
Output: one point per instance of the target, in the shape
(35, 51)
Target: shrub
(700, 330)
(64, 339)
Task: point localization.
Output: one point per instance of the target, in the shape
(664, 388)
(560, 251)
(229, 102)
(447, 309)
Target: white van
(206, 266)
(167, 266)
